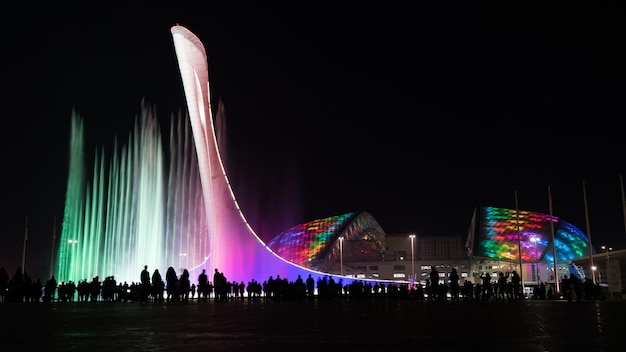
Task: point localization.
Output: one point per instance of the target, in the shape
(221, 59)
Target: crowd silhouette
(153, 288)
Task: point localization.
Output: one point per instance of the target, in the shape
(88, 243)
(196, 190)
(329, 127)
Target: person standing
(49, 289)
(516, 282)
(454, 285)
(502, 286)
(485, 286)
(433, 288)
(310, 287)
(184, 286)
(158, 287)
(219, 285)
(172, 286)
(203, 286)
(144, 291)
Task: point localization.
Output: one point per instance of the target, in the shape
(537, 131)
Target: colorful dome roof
(498, 233)
(315, 244)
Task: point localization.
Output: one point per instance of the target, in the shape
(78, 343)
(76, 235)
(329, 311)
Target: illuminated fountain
(149, 207)
(140, 209)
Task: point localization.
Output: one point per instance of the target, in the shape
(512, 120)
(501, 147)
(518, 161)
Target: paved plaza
(340, 325)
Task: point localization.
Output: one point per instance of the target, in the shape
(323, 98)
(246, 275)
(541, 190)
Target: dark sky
(416, 113)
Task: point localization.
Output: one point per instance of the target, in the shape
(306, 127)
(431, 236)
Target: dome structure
(317, 244)
(498, 233)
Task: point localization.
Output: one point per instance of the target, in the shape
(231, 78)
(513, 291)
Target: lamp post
(72, 244)
(593, 269)
(412, 237)
(535, 240)
(341, 254)
(606, 250)
(24, 248)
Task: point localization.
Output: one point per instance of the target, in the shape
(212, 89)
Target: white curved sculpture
(235, 249)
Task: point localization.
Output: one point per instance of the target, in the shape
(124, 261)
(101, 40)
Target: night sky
(415, 113)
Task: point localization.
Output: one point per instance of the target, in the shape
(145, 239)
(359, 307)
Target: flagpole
(54, 236)
(24, 248)
(519, 245)
(623, 200)
(556, 266)
(591, 266)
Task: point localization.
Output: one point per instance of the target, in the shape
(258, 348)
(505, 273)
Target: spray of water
(143, 207)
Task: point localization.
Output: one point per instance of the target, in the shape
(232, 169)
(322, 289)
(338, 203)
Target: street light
(535, 240)
(412, 237)
(341, 254)
(72, 242)
(593, 269)
(606, 250)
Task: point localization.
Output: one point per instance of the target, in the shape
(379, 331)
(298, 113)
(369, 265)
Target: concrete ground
(340, 325)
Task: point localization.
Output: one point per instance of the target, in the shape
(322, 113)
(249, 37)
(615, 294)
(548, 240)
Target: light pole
(24, 248)
(535, 240)
(593, 269)
(412, 237)
(341, 254)
(72, 244)
(606, 250)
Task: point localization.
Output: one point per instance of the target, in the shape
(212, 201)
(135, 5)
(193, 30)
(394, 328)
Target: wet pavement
(365, 325)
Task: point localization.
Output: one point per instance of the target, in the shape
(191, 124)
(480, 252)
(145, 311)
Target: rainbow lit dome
(316, 244)
(494, 234)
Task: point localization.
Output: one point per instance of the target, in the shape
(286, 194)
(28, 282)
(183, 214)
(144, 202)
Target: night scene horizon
(417, 118)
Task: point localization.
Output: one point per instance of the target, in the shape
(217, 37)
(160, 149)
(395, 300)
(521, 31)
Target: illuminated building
(498, 236)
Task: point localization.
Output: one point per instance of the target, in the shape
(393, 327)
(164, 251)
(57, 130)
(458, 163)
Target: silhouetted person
(516, 281)
(15, 288)
(242, 289)
(486, 286)
(203, 286)
(220, 286)
(94, 288)
(144, 291)
(158, 286)
(300, 287)
(173, 294)
(549, 293)
(567, 288)
(433, 288)
(468, 290)
(49, 289)
(454, 285)
(310, 287)
(502, 285)
(577, 287)
(185, 286)
(542, 291)
(36, 291)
